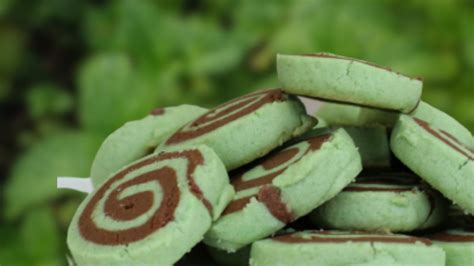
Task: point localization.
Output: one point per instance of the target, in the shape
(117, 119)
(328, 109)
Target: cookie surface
(458, 245)
(345, 248)
(373, 144)
(138, 138)
(284, 186)
(437, 157)
(245, 128)
(153, 211)
(347, 80)
(395, 202)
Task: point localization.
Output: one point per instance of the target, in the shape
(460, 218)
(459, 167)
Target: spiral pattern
(258, 177)
(121, 200)
(447, 138)
(224, 114)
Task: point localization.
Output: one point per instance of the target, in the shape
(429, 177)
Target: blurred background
(73, 71)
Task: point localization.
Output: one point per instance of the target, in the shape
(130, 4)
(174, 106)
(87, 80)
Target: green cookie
(335, 114)
(347, 80)
(245, 128)
(151, 212)
(458, 245)
(394, 202)
(138, 138)
(327, 248)
(284, 186)
(373, 145)
(437, 157)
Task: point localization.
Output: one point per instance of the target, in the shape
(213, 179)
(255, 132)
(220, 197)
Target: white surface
(82, 184)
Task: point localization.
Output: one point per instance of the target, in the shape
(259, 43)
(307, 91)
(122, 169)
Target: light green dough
(382, 203)
(253, 135)
(458, 245)
(331, 248)
(443, 162)
(309, 179)
(167, 242)
(336, 114)
(373, 145)
(343, 79)
(138, 138)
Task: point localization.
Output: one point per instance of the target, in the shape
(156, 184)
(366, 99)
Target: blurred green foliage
(73, 71)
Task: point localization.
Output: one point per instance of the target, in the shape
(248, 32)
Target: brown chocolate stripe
(433, 132)
(268, 194)
(449, 237)
(320, 238)
(456, 140)
(133, 206)
(157, 111)
(215, 118)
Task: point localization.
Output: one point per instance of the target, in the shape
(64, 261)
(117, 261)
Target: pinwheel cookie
(245, 128)
(151, 212)
(138, 138)
(342, 79)
(437, 157)
(395, 202)
(458, 245)
(284, 186)
(345, 248)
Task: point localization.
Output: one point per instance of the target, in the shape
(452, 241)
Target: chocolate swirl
(453, 236)
(447, 139)
(122, 208)
(266, 170)
(340, 237)
(225, 113)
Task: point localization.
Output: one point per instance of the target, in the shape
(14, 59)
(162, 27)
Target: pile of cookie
(375, 177)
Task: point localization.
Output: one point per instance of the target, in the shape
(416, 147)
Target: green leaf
(45, 100)
(33, 177)
(111, 93)
(40, 237)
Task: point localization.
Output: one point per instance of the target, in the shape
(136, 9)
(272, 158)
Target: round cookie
(437, 157)
(151, 212)
(245, 128)
(138, 138)
(336, 114)
(283, 186)
(458, 245)
(345, 248)
(373, 144)
(336, 78)
(394, 202)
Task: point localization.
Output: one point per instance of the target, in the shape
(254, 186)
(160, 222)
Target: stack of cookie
(375, 177)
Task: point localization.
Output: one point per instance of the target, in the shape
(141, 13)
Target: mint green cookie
(347, 80)
(335, 114)
(245, 128)
(284, 186)
(138, 138)
(327, 248)
(387, 202)
(437, 157)
(373, 145)
(458, 245)
(151, 212)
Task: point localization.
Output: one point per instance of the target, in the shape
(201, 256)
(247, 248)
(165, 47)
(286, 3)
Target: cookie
(458, 245)
(138, 138)
(347, 80)
(437, 157)
(345, 248)
(151, 212)
(373, 144)
(395, 202)
(283, 186)
(245, 128)
(335, 114)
